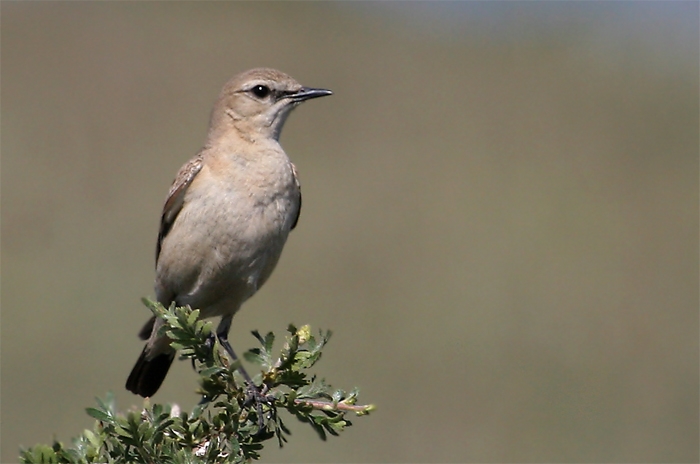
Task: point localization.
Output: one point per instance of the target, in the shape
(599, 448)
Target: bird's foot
(258, 397)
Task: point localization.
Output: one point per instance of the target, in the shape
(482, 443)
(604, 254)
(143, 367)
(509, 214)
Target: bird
(227, 214)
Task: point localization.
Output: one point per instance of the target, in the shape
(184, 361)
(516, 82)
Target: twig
(330, 406)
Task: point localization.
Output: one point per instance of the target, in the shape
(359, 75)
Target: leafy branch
(228, 426)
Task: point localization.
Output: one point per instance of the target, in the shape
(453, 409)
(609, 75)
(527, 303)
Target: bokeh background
(500, 217)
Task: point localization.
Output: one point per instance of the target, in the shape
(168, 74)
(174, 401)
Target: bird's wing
(176, 197)
(296, 181)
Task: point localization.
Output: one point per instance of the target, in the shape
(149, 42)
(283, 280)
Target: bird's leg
(253, 393)
(222, 335)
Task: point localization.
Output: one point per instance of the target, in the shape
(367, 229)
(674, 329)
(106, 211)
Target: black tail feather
(147, 376)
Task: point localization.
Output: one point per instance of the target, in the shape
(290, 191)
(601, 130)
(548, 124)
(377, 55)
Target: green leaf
(269, 341)
(193, 317)
(123, 432)
(255, 358)
(99, 415)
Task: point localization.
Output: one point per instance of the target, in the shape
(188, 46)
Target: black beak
(307, 93)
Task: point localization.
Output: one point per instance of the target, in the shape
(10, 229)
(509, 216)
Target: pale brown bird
(227, 215)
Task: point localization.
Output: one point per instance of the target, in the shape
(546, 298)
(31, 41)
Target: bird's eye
(260, 91)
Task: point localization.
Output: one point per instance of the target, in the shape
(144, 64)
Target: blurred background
(500, 218)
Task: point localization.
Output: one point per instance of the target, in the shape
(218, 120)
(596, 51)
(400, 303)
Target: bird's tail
(147, 375)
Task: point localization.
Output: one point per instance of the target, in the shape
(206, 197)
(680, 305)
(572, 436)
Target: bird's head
(256, 103)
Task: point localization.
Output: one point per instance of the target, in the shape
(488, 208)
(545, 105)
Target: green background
(500, 217)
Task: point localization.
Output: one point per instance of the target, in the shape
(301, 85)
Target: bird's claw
(258, 396)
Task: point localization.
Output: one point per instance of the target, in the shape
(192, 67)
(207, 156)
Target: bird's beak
(307, 93)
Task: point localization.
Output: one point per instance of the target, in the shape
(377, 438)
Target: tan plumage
(227, 214)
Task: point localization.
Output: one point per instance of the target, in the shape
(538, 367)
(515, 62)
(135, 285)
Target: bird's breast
(229, 234)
